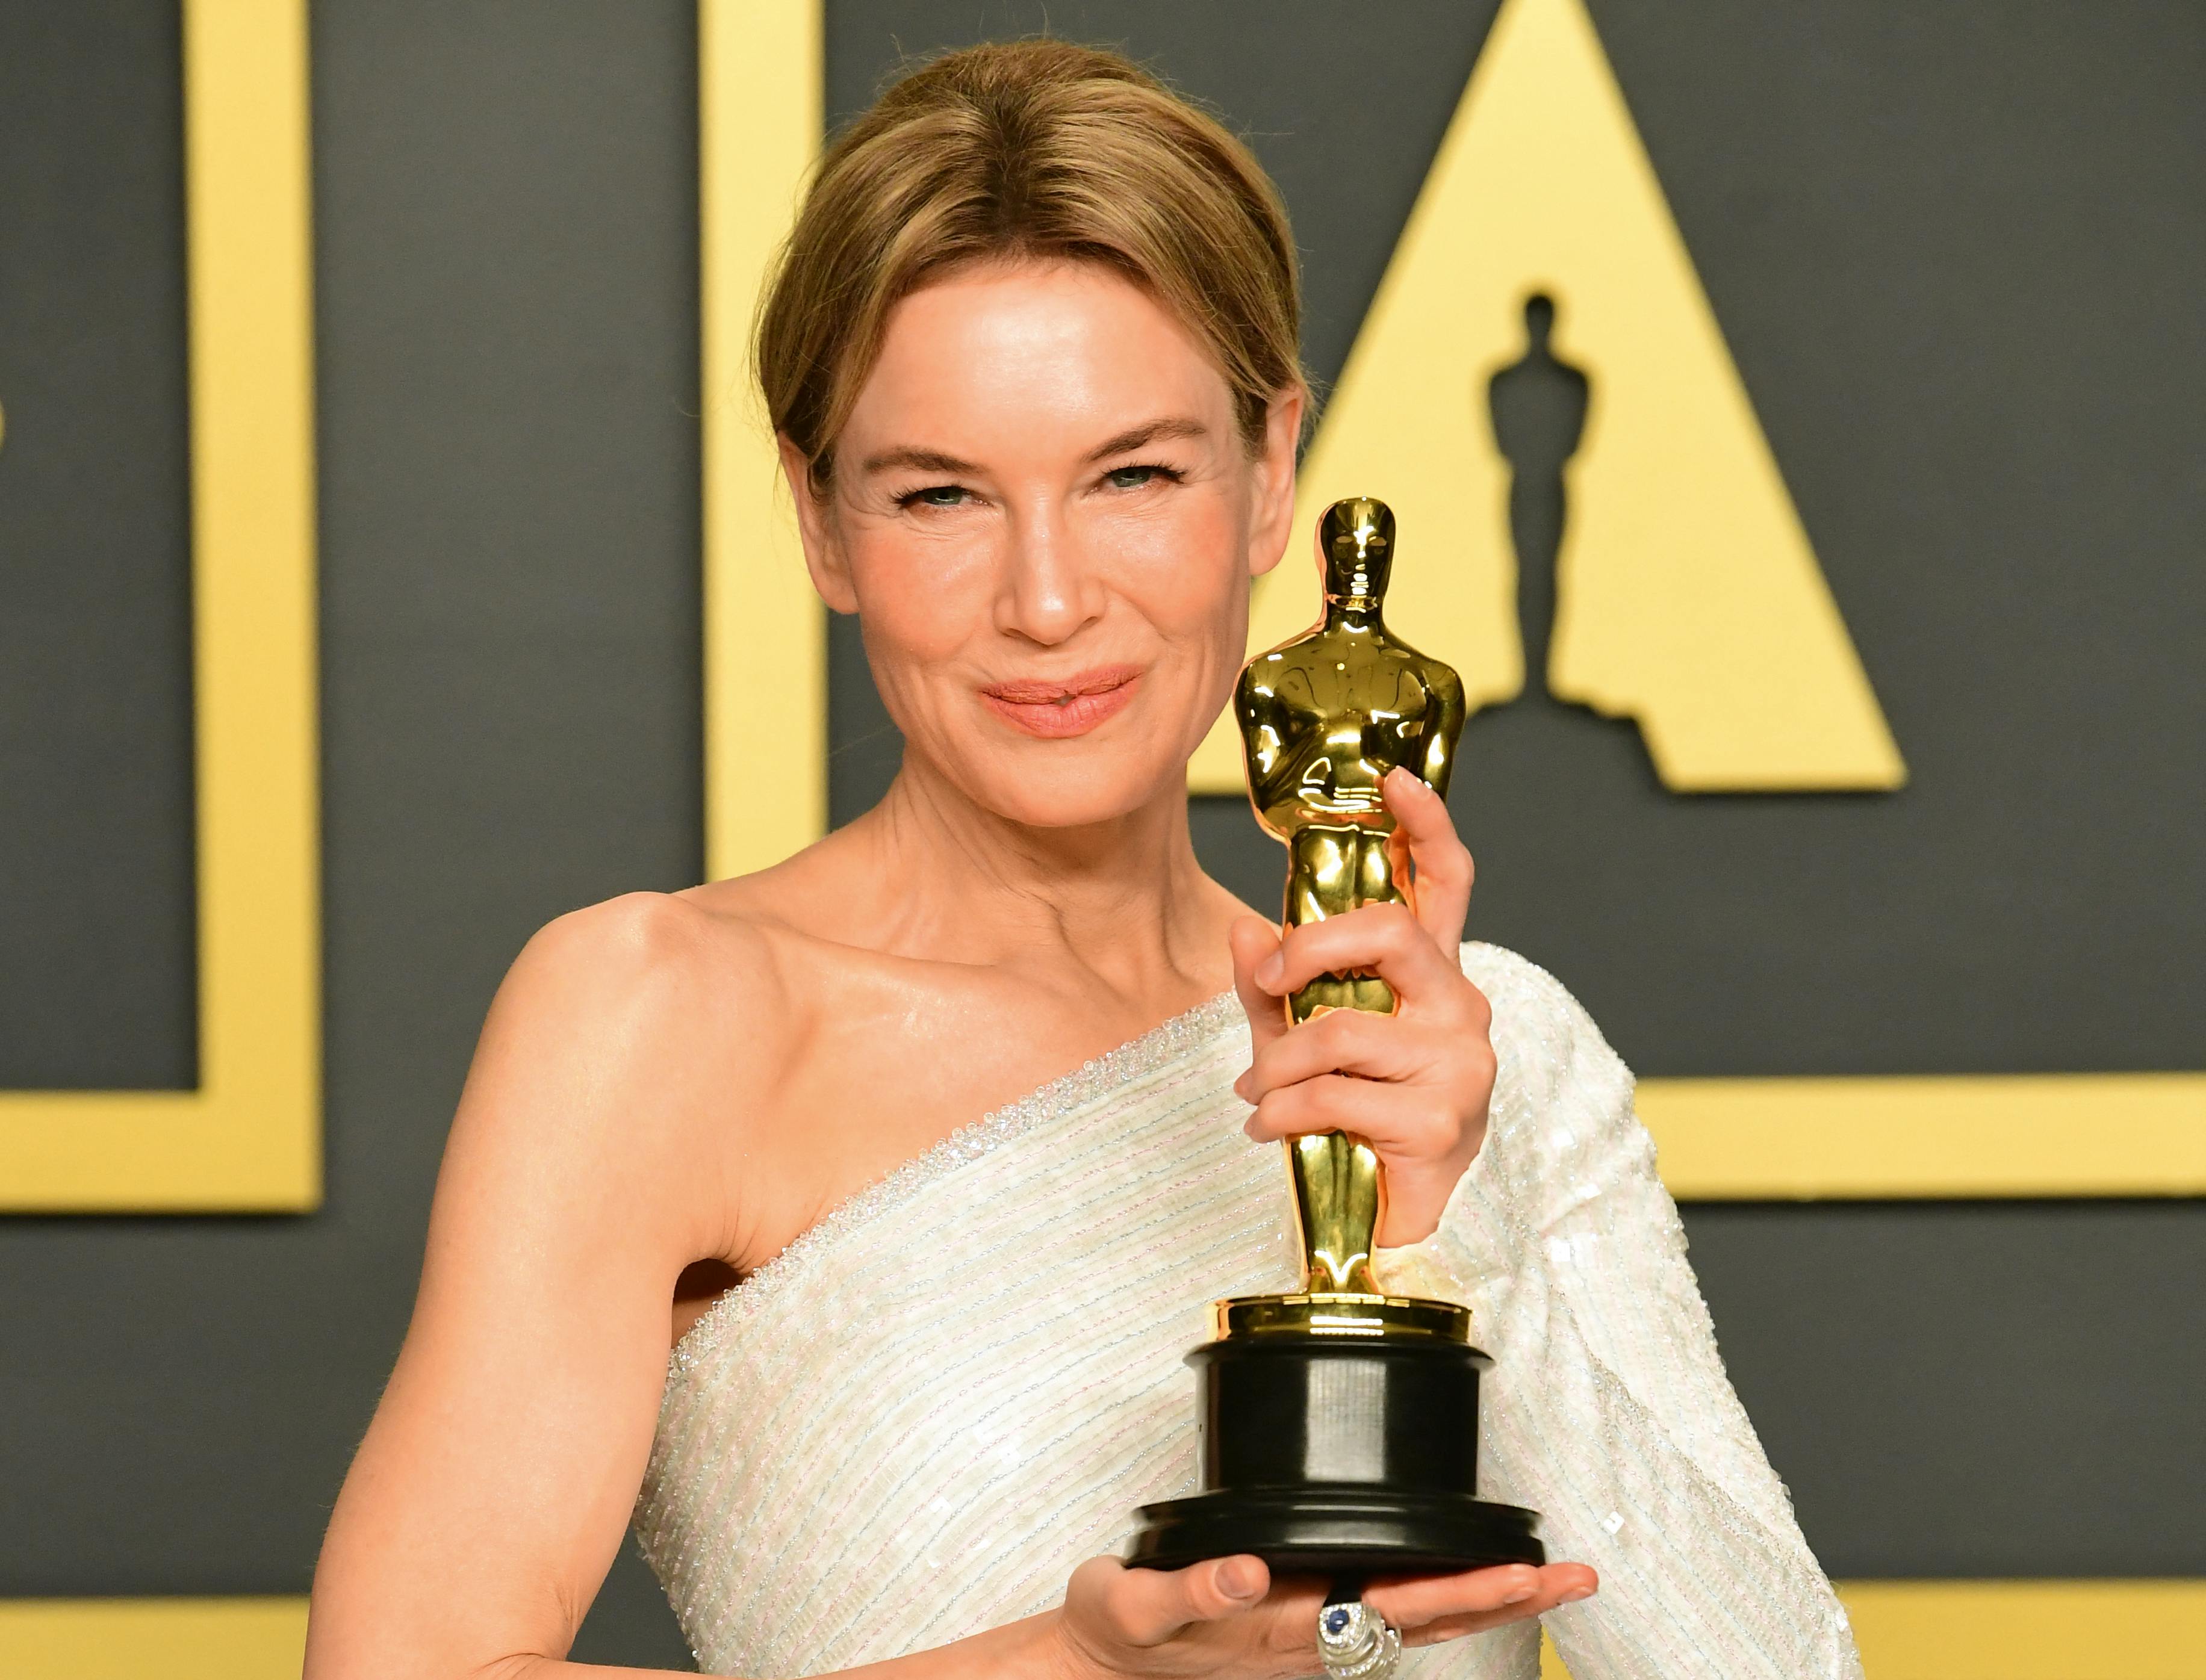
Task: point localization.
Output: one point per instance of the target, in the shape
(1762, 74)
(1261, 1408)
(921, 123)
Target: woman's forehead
(1032, 350)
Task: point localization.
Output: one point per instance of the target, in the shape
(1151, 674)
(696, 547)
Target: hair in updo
(1035, 149)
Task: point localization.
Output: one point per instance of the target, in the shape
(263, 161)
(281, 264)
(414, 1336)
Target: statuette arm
(1442, 730)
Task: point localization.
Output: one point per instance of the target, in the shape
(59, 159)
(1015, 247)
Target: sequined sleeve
(1607, 1408)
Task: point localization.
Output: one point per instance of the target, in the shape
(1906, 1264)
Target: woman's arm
(1607, 1408)
(496, 1482)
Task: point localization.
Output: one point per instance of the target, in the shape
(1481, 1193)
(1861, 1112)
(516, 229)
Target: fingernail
(1267, 971)
(1516, 1596)
(1238, 1579)
(1576, 1594)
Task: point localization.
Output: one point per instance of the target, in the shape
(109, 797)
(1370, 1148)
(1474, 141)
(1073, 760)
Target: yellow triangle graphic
(1689, 599)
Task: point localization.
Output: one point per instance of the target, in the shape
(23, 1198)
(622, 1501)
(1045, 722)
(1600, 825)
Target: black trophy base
(1342, 1456)
(1338, 1530)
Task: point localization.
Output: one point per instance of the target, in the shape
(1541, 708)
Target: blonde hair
(1032, 150)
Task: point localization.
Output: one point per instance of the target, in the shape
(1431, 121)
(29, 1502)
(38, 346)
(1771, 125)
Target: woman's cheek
(1185, 573)
(917, 601)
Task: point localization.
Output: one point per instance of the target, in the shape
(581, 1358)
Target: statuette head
(1356, 543)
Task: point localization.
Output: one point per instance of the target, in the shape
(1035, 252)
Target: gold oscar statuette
(1339, 1423)
(1323, 719)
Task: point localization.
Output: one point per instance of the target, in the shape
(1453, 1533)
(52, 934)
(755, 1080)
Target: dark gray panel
(514, 728)
(508, 347)
(96, 943)
(1973, 1389)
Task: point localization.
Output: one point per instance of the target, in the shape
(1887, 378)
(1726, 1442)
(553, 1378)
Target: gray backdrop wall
(1956, 252)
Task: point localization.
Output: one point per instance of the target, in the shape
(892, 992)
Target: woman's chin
(1075, 793)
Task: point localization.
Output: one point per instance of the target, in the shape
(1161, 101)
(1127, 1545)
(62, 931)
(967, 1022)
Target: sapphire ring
(1355, 1642)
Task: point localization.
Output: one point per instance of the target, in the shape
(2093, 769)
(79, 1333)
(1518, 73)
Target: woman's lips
(1056, 710)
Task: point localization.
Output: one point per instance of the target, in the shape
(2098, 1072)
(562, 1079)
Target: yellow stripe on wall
(2029, 1629)
(2017, 1630)
(2023, 1135)
(1908, 1630)
(766, 631)
(136, 1639)
(250, 1137)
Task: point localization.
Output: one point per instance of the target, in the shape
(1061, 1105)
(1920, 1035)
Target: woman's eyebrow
(1150, 432)
(917, 459)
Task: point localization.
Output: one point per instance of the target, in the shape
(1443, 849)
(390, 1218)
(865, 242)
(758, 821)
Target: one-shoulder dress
(915, 1422)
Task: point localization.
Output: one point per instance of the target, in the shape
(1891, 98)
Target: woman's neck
(1125, 900)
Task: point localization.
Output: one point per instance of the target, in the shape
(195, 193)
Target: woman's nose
(1048, 590)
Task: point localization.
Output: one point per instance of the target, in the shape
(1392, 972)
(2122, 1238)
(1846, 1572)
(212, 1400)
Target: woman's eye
(1136, 478)
(934, 495)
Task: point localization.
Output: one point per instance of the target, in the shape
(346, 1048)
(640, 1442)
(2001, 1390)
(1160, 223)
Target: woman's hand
(1414, 1084)
(1227, 1618)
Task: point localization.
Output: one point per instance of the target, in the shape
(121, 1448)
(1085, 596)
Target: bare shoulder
(645, 956)
(640, 977)
(613, 1047)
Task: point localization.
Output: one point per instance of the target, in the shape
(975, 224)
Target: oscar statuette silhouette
(1339, 1424)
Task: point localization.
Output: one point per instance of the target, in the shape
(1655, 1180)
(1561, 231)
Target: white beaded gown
(915, 1422)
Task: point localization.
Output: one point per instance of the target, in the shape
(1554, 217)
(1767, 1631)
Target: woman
(1031, 359)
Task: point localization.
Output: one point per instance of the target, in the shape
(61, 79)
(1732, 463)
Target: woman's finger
(1444, 867)
(1146, 1607)
(1438, 1607)
(1253, 942)
(1422, 1598)
(1383, 939)
(1390, 1120)
(1349, 1041)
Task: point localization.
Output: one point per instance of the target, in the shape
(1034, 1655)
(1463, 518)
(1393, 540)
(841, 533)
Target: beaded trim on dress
(1159, 1046)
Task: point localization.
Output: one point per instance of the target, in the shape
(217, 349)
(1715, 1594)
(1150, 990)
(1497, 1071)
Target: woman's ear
(823, 552)
(1274, 522)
